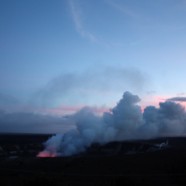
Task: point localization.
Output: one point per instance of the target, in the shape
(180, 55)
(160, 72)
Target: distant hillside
(136, 146)
(140, 162)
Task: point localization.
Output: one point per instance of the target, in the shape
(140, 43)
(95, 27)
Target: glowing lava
(46, 154)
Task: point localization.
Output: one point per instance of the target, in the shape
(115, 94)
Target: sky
(57, 56)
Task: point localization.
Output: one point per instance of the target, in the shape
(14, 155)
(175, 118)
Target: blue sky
(71, 53)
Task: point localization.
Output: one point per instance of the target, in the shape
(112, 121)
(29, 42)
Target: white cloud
(122, 8)
(77, 18)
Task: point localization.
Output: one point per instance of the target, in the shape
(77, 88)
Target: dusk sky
(57, 56)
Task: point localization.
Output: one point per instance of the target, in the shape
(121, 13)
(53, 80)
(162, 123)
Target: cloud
(66, 110)
(89, 87)
(179, 99)
(50, 123)
(125, 121)
(33, 123)
(123, 8)
(79, 130)
(77, 19)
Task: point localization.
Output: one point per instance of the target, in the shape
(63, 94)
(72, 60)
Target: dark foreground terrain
(143, 162)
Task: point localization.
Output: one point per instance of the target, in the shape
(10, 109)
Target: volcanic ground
(159, 161)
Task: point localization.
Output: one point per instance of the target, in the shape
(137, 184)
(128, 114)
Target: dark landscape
(159, 161)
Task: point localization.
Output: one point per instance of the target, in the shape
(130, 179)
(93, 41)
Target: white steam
(125, 121)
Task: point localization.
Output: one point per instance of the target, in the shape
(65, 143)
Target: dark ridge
(136, 162)
(22, 138)
(21, 145)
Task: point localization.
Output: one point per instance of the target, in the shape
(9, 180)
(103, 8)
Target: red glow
(46, 154)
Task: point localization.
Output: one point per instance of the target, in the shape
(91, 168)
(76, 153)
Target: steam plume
(124, 122)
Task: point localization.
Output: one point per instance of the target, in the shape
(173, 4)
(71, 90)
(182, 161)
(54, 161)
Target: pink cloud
(152, 101)
(64, 110)
(155, 100)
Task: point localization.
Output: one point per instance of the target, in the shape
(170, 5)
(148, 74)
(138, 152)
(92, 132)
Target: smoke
(82, 88)
(179, 99)
(124, 122)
